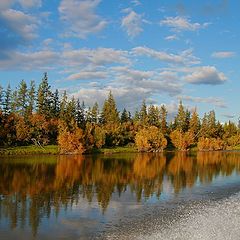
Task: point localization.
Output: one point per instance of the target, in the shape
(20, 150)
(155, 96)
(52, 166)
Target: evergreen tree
(124, 116)
(14, 101)
(63, 105)
(163, 119)
(109, 112)
(94, 113)
(7, 101)
(143, 116)
(56, 104)
(194, 124)
(1, 97)
(45, 98)
(181, 120)
(31, 98)
(80, 114)
(22, 95)
(153, 116)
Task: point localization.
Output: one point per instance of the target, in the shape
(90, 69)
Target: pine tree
(143, 116)
(93, 114)
(56, 104)
(7, 100)
(45, 98)
(124, 116)
(163, 119)
(22, 95)
(194, 124)
(31, 98)
(14, 101)
(181, 119)
(80, 114)
(153, 116)
(63, 106)
(109, 112)
(1, 97)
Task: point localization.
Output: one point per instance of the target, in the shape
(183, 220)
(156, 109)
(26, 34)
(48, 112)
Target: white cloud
(81, 18)
(43, 60)
(87, 75)
(171, 37)
(185, 57)
(179, 24)
(228, 115)
(125, 97)
(152, 81)
(136, 2)
(206, 75)
(132, 23)
(19, 22)
(218, 102)
(98, 57)
(224, 54)
(30, 3)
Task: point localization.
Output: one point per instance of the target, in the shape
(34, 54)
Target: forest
(37, 115)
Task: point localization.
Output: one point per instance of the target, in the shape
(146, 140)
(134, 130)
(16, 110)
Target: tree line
(38, 115)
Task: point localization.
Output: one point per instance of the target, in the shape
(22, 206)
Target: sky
(162, 51)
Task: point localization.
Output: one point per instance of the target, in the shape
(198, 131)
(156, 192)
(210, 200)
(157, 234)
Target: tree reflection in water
(31, 189)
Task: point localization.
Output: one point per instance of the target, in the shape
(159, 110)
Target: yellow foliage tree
(150, 139)
(211, 144)
(182, 140)
(70, 142)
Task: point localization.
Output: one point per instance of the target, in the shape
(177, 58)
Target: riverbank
(53, 150)
(29, 150)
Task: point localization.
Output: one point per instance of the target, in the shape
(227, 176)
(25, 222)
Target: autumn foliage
(40, 116)
(150, 139)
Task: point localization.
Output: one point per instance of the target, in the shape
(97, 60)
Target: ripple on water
(218, 220)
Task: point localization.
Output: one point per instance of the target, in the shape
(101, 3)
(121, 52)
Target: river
(121, 196)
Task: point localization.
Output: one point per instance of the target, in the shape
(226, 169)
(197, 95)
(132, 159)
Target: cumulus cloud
(43, 60)
(97, 57)
(87, 75)
(218, 102)
(185, 57)
(132, 23)
(223, 54)
(80, 17)
(152, 81)
(179, 24)
(125, 97)
(206, 75)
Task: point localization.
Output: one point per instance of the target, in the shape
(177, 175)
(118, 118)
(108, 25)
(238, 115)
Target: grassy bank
(29, 150)
(53, 149)
(116, 150)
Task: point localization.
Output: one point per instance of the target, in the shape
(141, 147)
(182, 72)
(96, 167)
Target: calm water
(124, 196)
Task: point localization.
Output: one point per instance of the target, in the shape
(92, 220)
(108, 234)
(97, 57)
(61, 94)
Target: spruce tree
(7, 100)
(153, 116)
(143, 116)
(109, 112)
(1, 97)
(124, 116)
(163, 119)
(31, 98)
(45, 98)
(22, 95)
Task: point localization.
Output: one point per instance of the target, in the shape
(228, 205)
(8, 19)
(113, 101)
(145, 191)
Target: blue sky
(161, 51)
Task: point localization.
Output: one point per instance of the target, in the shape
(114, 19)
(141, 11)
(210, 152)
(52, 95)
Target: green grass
(126, 149)
(29, 150)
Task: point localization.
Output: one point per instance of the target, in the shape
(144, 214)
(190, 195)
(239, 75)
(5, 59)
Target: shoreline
(53, 150)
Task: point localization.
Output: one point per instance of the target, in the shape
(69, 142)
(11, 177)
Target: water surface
(120, 196)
